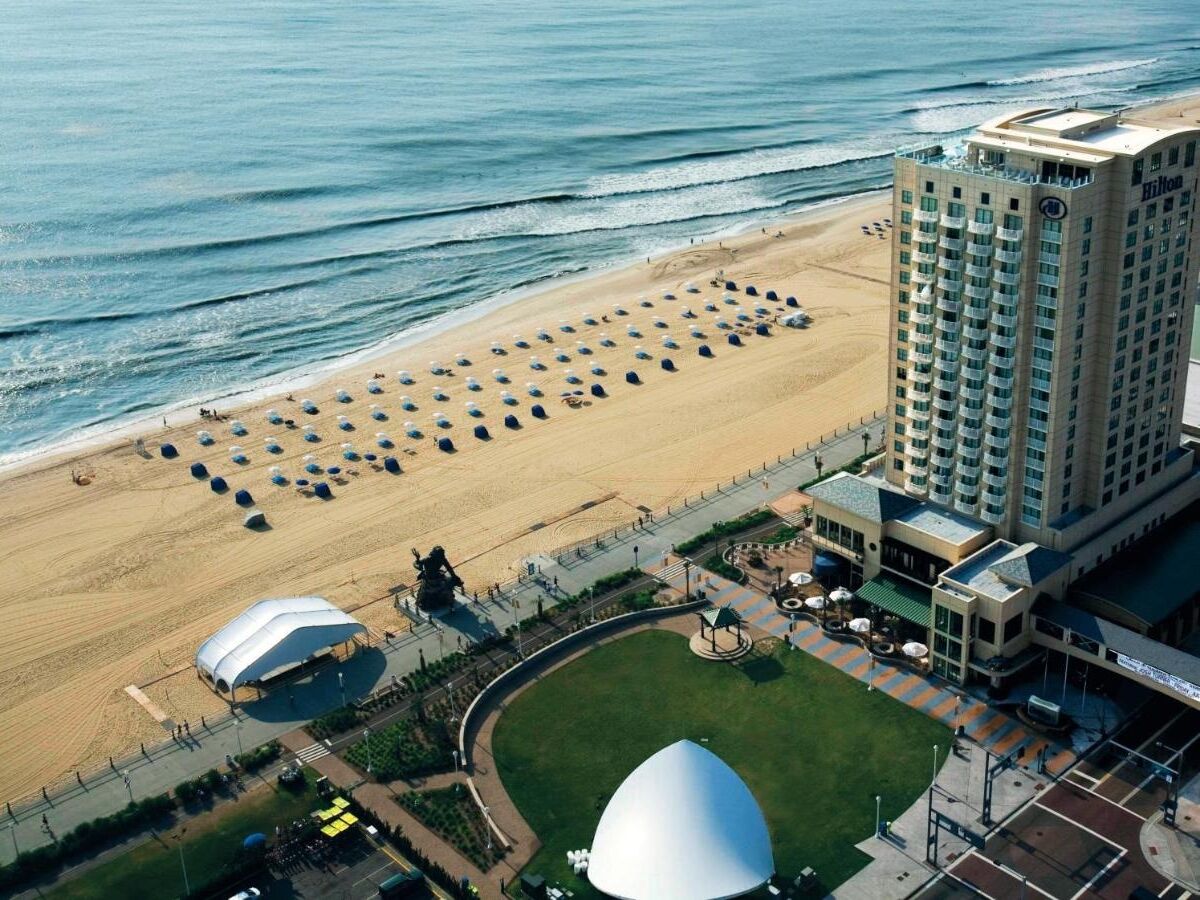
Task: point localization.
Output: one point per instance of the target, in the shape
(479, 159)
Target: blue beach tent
(537, 411)
(481, 432)
(168, 451)
(321, 489)
(510, 421)
(731, 285)
(445, 445)
(667, 364)
(793, 302)
(243, 498)
(705, 350)
(632, 378)
(597, 390)
(751, 291)
(735, 340)
(199, 470)
(762, 329)
(218, 485)
(771, 295)
(391, 464)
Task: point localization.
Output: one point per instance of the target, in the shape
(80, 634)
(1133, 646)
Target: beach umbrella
(537, 411)
(571, 377)
(374, 387)
(605, 340)
(204, 437)
(685, 313)
(734, 340)
(382, 439)
(915, 650)
(343, 395)
(445, 445)
(565, 326)
(308, 406)
(344, 423)
(499, 375)
(510, 421)
(391, 464)
(473, 408)
(520, 342)
(412, 430)
(730, 299)
(236, 454)
(532, 389)
(199, 470)
(406, 402)
(497, 347)
(543, 334)
(168, 451)
(667, 295)
(640, 352)
(561, 356)
(321, 489)
(436, 368)
(860, 626)
(815, 602)
(460, 359)
(597, 390)
(440, 420)
(440, 395)
(236, 427)
(597, 369)
(691, 288)
(669, 342)
(667, 364)
(582, 348)
(274, 417)
(271, 445)
(256, 518)
(377, 413)
(473, 385)
(643, 301)
(619, 309)
(507, 399)
(404, 377)
(800, 578)
(589, 319)
(840, 595)
(632, 331)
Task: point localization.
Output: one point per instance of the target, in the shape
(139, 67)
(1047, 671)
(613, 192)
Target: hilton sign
(1163, 185)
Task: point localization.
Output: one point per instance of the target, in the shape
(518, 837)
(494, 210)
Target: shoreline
(99, 438)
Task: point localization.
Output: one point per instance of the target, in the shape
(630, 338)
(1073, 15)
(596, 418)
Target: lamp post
(517, 622)
(878, 799)
(367, 741)
(635, 556)
(342, 686)
(487, 827)
(454, 753)
(592, 602)
(935, 753)
(13, 831)
(128, 783)
(687, 580)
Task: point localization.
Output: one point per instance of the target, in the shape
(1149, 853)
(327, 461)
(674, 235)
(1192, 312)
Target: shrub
(715, 564)
(258, 757)
(725, 529)
(640, 600)
(335, 722)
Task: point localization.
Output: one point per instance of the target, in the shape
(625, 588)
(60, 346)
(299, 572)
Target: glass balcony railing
(984, 228)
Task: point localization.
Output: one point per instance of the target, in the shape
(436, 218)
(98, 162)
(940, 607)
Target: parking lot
(353, 873)
(1080, 838)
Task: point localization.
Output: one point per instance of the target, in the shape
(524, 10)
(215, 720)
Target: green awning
(721, 616)
(899, 597)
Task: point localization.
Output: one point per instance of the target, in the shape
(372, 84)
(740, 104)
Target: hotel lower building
(1043, 289)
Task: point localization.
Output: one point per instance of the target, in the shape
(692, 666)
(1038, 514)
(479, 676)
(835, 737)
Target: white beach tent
(682, 826)
(270, 636)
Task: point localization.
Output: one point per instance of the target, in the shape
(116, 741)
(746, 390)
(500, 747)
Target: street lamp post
(635, 556)
(878, 800)
(935, 753)
(487, 823)
(592, 602)
(687, 580)
(367, 741)
(342, 686)
(454, 753)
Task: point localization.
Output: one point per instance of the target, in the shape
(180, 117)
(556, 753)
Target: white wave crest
(1119, 65)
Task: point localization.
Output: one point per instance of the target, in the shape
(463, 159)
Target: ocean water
(197, 197)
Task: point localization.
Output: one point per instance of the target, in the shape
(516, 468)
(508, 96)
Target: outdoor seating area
(337, 819)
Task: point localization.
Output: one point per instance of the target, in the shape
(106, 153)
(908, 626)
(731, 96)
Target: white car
(248, 894)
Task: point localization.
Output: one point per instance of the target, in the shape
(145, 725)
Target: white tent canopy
(273, 635)
(682, 826)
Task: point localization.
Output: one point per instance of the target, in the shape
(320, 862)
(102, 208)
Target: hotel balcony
(918, 415)
(1043, 343)
(940, 482)
(949, 243)
(1008, 256)
(969, 432)
(977, 354)
(979, 271)
(953, 221)
(964, 507)
(1054, 237)
(945, 405)
(1003, 363)
(1003, 305)
(1000, 423)
(1002, 321)
(916, 467)
(979, 249)
(1009, 234)
(920, 318)
(1053, 259)
(943, 443)
(996, 481)
(994, 459)
(921, 278)
(967, 393)
(916, 376)
(980, 228)
(919, 257)
(1006, 277)
(1048, 280)
(965, 471)
(972, 333)
(950, 265)
(981, 293)
(913, 488)
(1039, 405)
(1043, 322)
(922, 215)
(1004, 403)
(945, 304)
(990, 517)
(920, 356)
(1008, 341)
(947, 283)
(1000, 443)
(1035, 443)
(1000, 381)
(950, 327)
(945, 381)
(947, 346)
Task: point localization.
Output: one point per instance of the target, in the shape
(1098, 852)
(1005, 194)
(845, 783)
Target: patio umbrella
(800, 578)
(860, 626)
(915, 650)
(816, 602)
(840, 595)
(257, 839)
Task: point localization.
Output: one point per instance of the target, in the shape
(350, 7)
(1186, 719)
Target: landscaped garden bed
(408, 748)
(452, 814)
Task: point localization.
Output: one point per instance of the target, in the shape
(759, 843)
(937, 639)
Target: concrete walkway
(284, 710)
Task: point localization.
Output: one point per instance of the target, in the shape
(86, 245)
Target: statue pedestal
(407, 606)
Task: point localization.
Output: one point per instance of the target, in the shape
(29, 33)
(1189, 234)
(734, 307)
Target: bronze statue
(437, 580)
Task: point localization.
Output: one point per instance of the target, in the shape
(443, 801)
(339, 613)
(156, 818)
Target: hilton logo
(1052, 208)
(1163, 185)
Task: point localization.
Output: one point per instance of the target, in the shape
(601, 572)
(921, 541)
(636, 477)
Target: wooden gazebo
(720, 617)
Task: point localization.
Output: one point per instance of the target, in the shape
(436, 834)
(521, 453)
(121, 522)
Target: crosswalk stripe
(312, 752)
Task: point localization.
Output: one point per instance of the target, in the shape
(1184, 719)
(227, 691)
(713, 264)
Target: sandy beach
(116, 581)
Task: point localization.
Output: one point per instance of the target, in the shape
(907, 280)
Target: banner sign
(1158, 675)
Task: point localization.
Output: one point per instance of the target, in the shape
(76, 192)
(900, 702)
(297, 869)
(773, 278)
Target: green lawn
(152, 869)
(812, 744)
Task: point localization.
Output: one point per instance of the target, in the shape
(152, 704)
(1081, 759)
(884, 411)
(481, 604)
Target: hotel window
(1136, 178)
(1189, 153)
(928, 190)
(957, 193)
(1155, 162)
(929, 204)
(906, 217)
(906, 196)
(1173, 156)
(985, 198)
(957, 210)
(1014, 204)
(1087, 225)
(905, 256)
(983, 216)
(1086, 247)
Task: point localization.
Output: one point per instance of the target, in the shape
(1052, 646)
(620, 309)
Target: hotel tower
(1043, 282)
